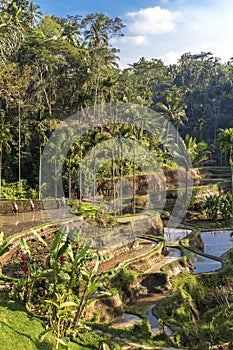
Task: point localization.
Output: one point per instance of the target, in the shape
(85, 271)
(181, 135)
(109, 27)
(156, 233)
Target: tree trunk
(40, 172)
(113, 179)
(134, 179)
(94, 180)
(121, 180)
(232, 191)
(80, 180)
(69, 178)
(0, 174)
(19, 144)
(55, 179)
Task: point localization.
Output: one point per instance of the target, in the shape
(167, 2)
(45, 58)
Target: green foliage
(11, 190)
(218, 206)
(200, 310)
(123, 279)
(4, 245)
(63, 291)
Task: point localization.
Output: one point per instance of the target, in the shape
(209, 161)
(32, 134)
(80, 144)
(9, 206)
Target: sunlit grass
(21, 330)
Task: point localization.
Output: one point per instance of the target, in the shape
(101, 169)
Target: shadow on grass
(85, 345)
(16, 306)
(40, 345)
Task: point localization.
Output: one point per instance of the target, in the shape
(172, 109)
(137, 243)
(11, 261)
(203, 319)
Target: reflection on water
(127, 320)
(172, 235)
(201, 263)
(154, 322)
(217, 243)
(173, 254)
(15, 219)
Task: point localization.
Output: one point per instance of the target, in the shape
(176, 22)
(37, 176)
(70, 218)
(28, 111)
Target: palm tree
(40, 126)
(198, 152)
(12, 31)
(96, 36)
(34, 14)
(99, 30)
(71, 30)
(5, 140)
(173, 110)
(188, 154)
(225, 141)
(95, 137)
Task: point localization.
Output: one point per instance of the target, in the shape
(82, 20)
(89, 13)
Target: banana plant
(73, 282)
(4, 244)
(64, 313)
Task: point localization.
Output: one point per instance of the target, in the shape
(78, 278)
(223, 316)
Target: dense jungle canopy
(51, 67)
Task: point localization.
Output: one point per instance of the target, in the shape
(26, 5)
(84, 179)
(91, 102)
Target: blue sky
(160, 28)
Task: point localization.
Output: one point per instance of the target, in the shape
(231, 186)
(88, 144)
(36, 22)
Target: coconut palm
(96, 36)
(34, 14)
(11, 35)
(70, 31)
(5, 140)
(40, 126)
(173, 110)
(188, 154)
(225, 141)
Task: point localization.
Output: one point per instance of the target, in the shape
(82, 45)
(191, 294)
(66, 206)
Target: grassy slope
(20, 330)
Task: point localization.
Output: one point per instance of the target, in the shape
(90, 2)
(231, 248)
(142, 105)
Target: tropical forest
(116, 184)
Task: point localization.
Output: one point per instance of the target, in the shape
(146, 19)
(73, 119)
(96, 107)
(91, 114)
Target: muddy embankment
(150, 189)
(144, 282)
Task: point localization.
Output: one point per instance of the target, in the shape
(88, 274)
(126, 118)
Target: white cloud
(185, 26)
(171, 57)
(151, 21)
(134, 40)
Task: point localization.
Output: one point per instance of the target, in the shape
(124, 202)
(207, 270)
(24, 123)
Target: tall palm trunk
(94, 177)
(121, 179)
(40, 171)
(69, 178)
(134, 179)
(55, 178)
(19, 144)
(0, 174)
(80, 180)
(113, 179)
(232, 190)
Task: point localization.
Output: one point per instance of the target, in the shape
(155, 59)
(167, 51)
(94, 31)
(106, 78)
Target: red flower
(25, 266)
(24, 256)
(62, 259)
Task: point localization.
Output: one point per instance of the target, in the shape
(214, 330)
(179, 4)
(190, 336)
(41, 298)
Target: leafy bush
(15, 190)
(218, 206)
(62, 292)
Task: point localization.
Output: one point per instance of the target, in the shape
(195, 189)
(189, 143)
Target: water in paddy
(172, 235)
(201, 263)
(217, 243)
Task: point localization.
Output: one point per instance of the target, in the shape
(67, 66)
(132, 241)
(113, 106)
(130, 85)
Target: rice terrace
(116, 184)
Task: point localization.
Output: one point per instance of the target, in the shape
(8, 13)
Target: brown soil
(144, 247)
(38, 256)
(13, 229)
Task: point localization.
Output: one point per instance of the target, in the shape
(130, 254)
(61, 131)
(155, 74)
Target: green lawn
(20, 330)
